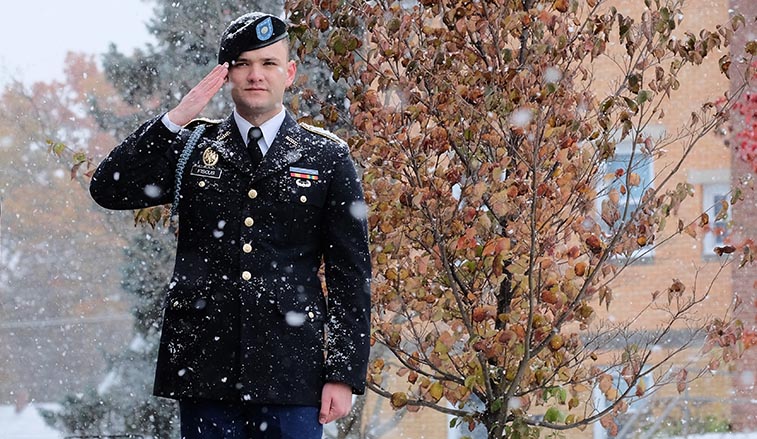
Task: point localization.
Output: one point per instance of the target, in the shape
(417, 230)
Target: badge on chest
(303, 176)
(207, 169)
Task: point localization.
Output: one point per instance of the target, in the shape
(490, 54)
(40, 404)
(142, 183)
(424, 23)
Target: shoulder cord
(183, 159)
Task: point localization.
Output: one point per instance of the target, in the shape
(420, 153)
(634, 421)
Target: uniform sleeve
(348, 277)
(140, 171)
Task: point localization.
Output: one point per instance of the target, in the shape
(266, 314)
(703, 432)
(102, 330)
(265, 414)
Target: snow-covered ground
(749, 435)
(27, 424)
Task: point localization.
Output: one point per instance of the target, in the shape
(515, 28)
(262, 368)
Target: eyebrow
(248, 60)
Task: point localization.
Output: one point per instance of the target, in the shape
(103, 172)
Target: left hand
(336, 402)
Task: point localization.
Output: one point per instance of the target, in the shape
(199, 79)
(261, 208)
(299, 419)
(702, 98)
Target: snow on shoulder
(322, 132)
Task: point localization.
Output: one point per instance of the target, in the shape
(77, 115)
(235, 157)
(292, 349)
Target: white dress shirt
(269, 128)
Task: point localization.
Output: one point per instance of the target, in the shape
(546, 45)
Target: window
(460, 430)
(715, 198)
(617, 169)
(628, 174)
(715, 189)
(637, 407)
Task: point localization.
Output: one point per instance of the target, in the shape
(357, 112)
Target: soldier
(262, 202)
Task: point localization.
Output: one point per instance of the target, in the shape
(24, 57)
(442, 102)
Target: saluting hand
(193, 102)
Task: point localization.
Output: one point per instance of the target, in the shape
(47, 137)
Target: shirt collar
(269, 128)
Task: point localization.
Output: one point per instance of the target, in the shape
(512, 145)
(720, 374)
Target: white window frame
(641, 161)
(460, 430)
(635, 404)
(718, 230)
(713, 183)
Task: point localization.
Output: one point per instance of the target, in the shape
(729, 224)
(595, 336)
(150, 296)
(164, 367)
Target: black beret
(249, 32)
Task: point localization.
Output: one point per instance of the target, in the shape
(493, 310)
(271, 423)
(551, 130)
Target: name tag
(204, 171)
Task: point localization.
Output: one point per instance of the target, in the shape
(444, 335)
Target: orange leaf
(608, 422)
(704, 219)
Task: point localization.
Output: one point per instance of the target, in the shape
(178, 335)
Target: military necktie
(253, 147)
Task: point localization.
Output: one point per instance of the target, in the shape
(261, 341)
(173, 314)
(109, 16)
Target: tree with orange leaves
(502, 208)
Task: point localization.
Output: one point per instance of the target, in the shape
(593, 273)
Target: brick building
(744, 412)
(725, 400)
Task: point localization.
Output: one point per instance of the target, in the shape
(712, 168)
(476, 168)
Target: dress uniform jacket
(244, 314)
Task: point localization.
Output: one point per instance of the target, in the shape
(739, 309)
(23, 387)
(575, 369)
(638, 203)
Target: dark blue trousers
(206, 419)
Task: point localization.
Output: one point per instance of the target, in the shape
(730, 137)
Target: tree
(503, 211)
(156, 78)
(56, 313)
(743, 131)
(123, 402)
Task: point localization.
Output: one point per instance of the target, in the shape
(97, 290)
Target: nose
(254, 73)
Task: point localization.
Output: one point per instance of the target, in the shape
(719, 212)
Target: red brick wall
(744, 412)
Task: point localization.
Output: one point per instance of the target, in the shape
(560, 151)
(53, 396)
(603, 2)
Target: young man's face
(258, 79)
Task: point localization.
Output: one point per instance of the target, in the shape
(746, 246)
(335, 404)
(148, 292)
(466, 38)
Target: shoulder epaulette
(202, 120)
(322, 132)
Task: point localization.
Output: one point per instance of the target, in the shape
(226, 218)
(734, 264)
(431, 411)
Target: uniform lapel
(285, 150)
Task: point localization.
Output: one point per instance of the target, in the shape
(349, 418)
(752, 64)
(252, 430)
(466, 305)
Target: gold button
(252, 194)
(303, 199)
(201, 183)
(246, 275)
(247, 248)
(249, 222)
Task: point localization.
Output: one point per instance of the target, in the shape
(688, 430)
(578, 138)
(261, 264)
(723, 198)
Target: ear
(291, 72)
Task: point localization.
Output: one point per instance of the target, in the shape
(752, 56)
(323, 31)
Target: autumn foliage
(744, 128)
(497, 225)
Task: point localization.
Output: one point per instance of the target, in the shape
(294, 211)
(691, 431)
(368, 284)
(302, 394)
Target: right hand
(193, 102)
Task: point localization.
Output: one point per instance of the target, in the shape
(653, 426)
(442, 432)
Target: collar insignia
(223, 135)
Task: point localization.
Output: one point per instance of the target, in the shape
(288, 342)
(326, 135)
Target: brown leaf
(751, 48)
(561, 5)
(681, 382)
(580, 268)
(641, 388)
(676, 289)
(608, 422)
(725, 65)
(704, 219)
(75, 170)
(723, 213)
(605, 383)
(691, 230)
(594, 244)
(479, 314)
(724, 250)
